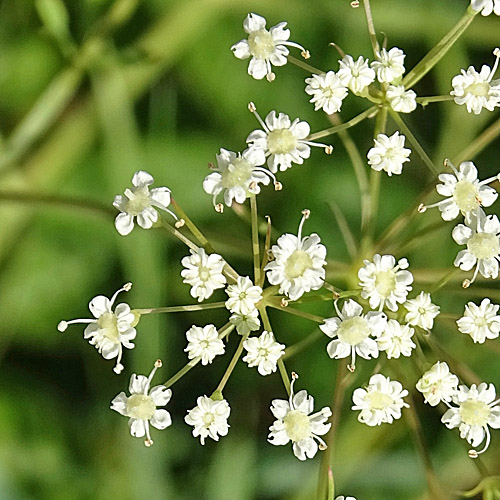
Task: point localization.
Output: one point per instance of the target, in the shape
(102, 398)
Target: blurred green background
(93, 93)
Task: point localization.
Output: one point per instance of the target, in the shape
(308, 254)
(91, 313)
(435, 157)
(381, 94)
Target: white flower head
(401, 100)
(327, 91)
(204, 342)
(389, 153)
(476, 411)
(480, 322)
(381, 402)
(110, 330)
(209, 418)
(298, 264)
(463, 190)
(263, 352)
(246, 323)
(353, 332)
(421, 311)
(356, 75)
(296, 424)
(265, 48)
(481, 234)
(396, 340)
(203, 272)
(139, 203)
(486, 7)
(238, 176)
(243, 296)
(284, 142)
(384, 282)
(142, 405)
(389, 65)
(437, 384)
(477, 90)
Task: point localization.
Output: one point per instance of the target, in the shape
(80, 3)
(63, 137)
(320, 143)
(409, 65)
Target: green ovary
(481, 89)
(238, 175)
(353, 331)
(378, 400)
(297, 264)
(475, 412)
(281, 141)
(261, 44)
(109, 324)
(139, 202)
(484, 246)
(140, 406)
(208, 419)
(385, 282)
(466, 196)
(297, 425)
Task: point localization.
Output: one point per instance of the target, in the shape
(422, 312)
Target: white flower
(238, 175)
(381, 401)
(389, 65)
(283, 141)
(477, 90)
(263, 352)
(354, 332)
(243, 296)
(356, 75)
(401, 100)
(203, 272)
(204, 342)
(142, 405)
(296, 424)
(421, 311)
(299, 263)
(139, 202)
(110, 331)
(209, 418)
(465, 193)
(481, 234)
(327, 92)
(480, 322)
(438, 384)
(477, 409)
(345, 498)
(266, 48)
(246, 323)
(396, 340)
(384, 283)
(389, 153)
(486, 7)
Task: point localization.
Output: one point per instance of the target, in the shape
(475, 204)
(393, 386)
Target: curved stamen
(148, 441)
(125, 288)
(305, 215)
(475, 453)
(157, 365)
(496, 53)
(267, 172)
(322, 445)
(339, 314)
(293, 44)
(253, 109)
(294, 378)
(63, 325)
(119, 367)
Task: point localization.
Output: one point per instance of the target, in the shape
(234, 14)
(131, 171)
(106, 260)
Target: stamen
(421, 208)
(148, 441)
(157, 365)
(219, 208)
(339, 50)
(355, 4)
(305, 54)
(327, 147)
(252, 108)
(179, 223)
(475, 453)
(322, 445)
(278, 186)
(305, 215)
(339, 314)
(118, 367)
(125, 288)
(496, 53)
(63, 325)
(283, 302)
(447, 163)
(490, 179)
(290, 399)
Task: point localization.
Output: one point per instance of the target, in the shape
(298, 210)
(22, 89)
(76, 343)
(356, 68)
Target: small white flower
(209, 418)
(401, 100)
(477, 90)
(477, 409)
(421, 311)
(438, 384)
(389, 65)
(345, 498)
(203, 272)
(263, 352)
(238, 175)
(381, 401)
(389, 153)
(296, 424)
(327, 92)
(480, 322)
(243, 296)
(246, 323)
(486, 7)
(139, 202)
(354, 332)
(142, 405)
(204, 342)
(384, 283)
(464, 192)
(265, 48)
(396, 340)
(356, 75)
(481, 234)
(110, 331)
(298, 265)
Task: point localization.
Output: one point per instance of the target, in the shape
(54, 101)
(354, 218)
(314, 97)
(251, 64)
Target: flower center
(480, 89)
(297, 425)
(261, 44)
(297, 264)
(263, 352)
(481, 322)
(109, 324)
(281, 141)
(484, 246)
(378, 400)
(208, 419)
(385, 282)
(139, 201)
(140, 406)
(353, 330)
(465, 196)
(475, 412)
(238, 173)
(204, 273)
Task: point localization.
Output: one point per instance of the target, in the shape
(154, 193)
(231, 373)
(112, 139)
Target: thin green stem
(265, 257)
(299, 346)
(296, 312)
(443, 281)
(255, 239)
(301, 64)
(173, 309)
(436, 98)
(231, 365)
(179, 235)
(371, 27)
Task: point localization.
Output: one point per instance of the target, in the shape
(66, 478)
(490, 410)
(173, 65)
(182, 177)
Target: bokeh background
(93, 93)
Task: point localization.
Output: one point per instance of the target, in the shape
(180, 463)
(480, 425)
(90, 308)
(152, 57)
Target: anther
(270, 78)
(294, 376)
(178, 224)
(351, 368)
(251, 107)
(219, 208)
(322, 446)
(278, 186)
(336, 295)
(158, 363)
(306, 213)
(211, 166)
(466, 283)
(496, 52)
(127, 287)
(473, 453)
(446, 162)
(355, 4)
(421, 208)
(148, 443)
(62, 326)
(329, 149)
(283, 302)
(252, 185)
(270, 254)
(305, 54)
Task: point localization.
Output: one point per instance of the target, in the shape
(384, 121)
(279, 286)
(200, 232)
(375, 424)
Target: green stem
(179, 235)
(437, 98)
(443, 281)
(255, 239)
(173, 309)
(301, 64)
(231, 366)
(299, 346)
(371, 27)
(295, 312)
